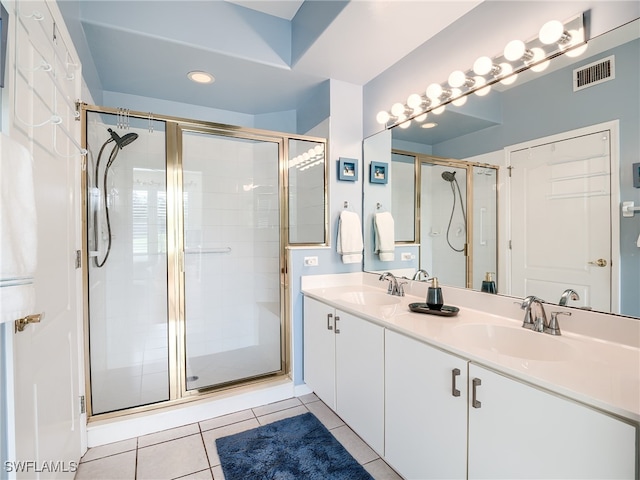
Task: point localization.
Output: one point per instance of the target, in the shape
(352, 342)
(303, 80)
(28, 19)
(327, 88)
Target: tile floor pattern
(189, 452)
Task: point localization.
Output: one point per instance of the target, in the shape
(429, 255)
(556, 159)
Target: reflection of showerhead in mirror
(449, 176)
(124, 140)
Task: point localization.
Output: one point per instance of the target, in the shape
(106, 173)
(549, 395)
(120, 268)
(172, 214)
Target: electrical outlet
(310, 261)
(406, 256)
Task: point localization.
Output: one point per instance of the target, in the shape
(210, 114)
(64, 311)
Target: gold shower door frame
(174, 126)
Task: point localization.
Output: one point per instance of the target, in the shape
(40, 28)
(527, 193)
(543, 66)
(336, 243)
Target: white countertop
(597, 372)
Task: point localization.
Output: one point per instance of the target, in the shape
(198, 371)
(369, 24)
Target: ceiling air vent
(594, 73)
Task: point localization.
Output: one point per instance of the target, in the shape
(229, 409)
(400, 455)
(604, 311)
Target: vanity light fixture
(199, 76)
(554, 38)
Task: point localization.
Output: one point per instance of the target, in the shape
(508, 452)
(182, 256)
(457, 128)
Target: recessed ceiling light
(200, 77)
(429, 125)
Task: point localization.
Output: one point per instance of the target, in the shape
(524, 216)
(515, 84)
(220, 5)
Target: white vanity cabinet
(519, 431)
(426, 410)
(344, 366)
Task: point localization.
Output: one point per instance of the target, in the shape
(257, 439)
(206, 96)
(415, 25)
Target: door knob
(601, 262)
(21, 323)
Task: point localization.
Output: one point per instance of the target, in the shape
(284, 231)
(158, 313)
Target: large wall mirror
(558, 161)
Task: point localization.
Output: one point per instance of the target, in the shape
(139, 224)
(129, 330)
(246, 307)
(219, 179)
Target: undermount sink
(369, 298)
(516, 342)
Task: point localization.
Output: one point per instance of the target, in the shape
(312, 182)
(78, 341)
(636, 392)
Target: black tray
(445, 311)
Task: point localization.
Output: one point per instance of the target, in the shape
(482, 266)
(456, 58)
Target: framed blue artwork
(348, 169)
(379, 172)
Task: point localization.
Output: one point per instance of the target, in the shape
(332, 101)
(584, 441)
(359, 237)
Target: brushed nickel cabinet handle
(475, 403)
(329, 317)
(337, 320)
(454, 373)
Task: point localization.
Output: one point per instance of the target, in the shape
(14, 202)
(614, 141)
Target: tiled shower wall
(232, 230)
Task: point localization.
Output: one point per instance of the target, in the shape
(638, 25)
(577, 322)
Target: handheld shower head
(124, 140)
(449, 176)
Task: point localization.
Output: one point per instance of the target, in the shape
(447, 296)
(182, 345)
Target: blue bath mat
(291, 449)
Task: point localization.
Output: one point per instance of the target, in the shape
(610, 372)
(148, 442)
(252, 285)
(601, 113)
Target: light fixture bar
(554, 39)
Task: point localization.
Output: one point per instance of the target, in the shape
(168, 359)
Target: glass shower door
(127, 264)
(231, 226)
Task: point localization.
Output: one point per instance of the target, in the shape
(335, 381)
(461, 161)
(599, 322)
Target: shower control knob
(601, 262)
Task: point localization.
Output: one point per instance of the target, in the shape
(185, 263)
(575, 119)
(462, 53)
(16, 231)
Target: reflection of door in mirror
(561, 219)
(457, 218)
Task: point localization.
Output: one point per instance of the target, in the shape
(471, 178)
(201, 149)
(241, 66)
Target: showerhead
(449, 176)
(124, 140)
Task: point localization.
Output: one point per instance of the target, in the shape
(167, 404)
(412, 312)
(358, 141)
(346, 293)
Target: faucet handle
(554, 327)
(401, 288)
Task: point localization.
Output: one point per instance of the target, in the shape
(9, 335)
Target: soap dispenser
(488, 285)
(434, 295)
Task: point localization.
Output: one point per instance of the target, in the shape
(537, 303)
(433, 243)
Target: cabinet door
(319, 350)
(360, 377)
(425, 425)
(522, 432)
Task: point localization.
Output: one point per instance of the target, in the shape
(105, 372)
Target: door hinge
(510, 246)
(509, 168)
(83, 408)
(78, 259)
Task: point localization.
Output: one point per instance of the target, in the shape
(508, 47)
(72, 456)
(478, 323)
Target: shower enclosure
(186, 228)
(458, 220)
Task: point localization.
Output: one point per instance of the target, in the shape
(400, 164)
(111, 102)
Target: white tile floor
(189, 452)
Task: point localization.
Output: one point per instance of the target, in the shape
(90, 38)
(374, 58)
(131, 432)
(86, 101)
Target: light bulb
(507, 71)
(482, 65)
(514, 50)
(457, 79)
(421, 118)
(382, 117)
(439, 110)
(577, 36)
(434, 91)
(459, 101)
(480, 81)
(401, 118)
(538, 55)
(397, 109)
(414, 101)
(576, 52)
(406, 124)
(551, 32)
(305, 156)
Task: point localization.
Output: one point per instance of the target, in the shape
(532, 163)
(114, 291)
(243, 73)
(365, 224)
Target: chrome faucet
(569, 293)
(535, 318)
(395, 288)
(420, 273)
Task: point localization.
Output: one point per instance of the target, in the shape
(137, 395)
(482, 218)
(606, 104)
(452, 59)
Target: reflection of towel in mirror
(349, 243)
(384, 236)
(18, 240)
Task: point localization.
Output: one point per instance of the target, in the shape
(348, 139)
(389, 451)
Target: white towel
(350, 243)
(18, 227)
(385, 236)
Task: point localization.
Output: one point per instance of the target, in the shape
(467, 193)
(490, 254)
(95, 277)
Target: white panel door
(518, 431)
(48, 421)
(561, 220)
